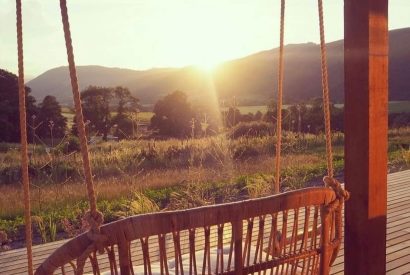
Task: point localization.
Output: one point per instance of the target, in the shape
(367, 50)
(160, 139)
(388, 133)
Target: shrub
(40, 227)
(258, 185)
(3, 241)
(72, 145)
(200, 194)
(252, 129)
(245, 151)
(141, 204)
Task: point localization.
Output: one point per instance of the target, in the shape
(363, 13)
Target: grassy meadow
(394, 107)
(141, 176)
(68, 113)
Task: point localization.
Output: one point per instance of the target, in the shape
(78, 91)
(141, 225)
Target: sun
(207, 65)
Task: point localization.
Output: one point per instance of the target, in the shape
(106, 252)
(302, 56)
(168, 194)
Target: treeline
(113, 112)
(44, 120)
(108, 111)
(104, 109)
(175, 117)
(9, 107)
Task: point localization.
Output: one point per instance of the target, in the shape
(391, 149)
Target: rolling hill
(251, 79)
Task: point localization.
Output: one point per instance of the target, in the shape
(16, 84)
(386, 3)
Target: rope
(93, 217)
(279, 103)
(78, 108)
(325, 88)
(23, 137)
(341, 193)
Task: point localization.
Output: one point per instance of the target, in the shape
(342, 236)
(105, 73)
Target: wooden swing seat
(295, 232)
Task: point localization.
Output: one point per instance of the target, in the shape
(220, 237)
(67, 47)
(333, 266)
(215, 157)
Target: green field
(69, 115)
(399, 107)
(144, 117)
(394, 107)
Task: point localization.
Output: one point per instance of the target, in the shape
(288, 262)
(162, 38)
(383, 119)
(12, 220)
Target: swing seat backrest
(289, 233)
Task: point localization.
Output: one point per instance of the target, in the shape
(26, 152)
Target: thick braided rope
(336, 207)
(93, 217)
(341, 193)
(78, 108)
(23, 137)
(279, 103)
(325, 88)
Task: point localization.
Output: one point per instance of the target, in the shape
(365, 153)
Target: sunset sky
(142, 34)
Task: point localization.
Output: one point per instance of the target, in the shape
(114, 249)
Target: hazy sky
(141, 34)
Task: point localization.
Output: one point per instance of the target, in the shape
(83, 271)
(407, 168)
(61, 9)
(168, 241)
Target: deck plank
(397, 249)
(398, 227)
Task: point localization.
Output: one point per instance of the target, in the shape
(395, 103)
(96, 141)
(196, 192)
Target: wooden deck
(397, 250)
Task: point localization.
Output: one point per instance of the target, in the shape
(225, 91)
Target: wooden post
(366, 98)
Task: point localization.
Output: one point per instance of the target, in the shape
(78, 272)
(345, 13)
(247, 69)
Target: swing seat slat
(292, 233)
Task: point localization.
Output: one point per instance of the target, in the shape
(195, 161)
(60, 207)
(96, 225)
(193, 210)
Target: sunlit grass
(136, 176)
(51, 195)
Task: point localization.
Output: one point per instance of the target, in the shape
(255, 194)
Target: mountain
(251, 79)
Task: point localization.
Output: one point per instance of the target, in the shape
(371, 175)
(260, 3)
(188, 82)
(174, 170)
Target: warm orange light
(207, 66)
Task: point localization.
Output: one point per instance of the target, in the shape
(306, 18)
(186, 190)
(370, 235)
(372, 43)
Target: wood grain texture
(366, 96)
(249, 222)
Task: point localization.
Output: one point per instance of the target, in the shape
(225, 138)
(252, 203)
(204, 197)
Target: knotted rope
(94, 220)
(325, 89)
(93, 217)
(335, 207)
(279, 103)
(329, 180)
(341, 194)
(23, 137)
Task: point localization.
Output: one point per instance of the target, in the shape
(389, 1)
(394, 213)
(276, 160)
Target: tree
(232, 117)
(52, 122)
(96, 108)
(296, 119)
(399, 120)
(126, 101)
(9, 107)
(127, 110)
(337, 118)
(314, 116)
(74, 127)
(173, 115)
(258, 115)
(271, 113)
(98, 102)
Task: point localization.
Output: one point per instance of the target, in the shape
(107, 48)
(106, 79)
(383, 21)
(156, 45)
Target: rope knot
(333, 183)
(95, 219)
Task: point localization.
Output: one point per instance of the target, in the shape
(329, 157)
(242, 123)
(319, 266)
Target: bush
(246, 151)
(252, 129)
(72, 145)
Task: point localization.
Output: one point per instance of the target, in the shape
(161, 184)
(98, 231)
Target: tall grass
(133, 157)
(143, 176)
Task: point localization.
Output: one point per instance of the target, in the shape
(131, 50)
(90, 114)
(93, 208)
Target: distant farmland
(394, 107)
(145, 117)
